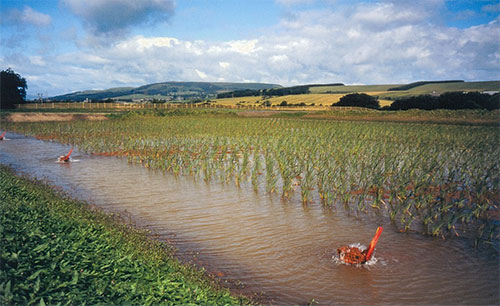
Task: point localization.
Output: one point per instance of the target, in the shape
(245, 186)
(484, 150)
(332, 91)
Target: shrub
(427, 102)
(359, 100)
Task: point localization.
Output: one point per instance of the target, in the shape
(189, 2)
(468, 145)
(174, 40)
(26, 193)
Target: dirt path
(37, 117)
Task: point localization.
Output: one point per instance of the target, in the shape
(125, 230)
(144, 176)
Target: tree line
(449, 100)
(272, 92)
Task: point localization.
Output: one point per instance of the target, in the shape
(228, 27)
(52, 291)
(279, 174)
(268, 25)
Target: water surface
(260, 243)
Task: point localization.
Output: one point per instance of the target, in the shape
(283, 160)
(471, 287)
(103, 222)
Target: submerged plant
(439, 179)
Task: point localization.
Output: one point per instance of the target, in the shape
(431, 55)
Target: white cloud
(388, 42)
(37, 60)
(243, 46)
(384, 14)
(33, 17)
(28, 16)
(141, 43)
(201, 74)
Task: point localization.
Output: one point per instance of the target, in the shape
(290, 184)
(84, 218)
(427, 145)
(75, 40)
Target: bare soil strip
(38, 117)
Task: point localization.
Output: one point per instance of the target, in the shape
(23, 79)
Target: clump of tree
(449, 100)
(13, 89)
(239, 93)
(285, 91)
(358, 100)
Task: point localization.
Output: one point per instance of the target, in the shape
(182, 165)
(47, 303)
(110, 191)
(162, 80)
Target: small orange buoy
(354, 255)
(2, 137)
(65, 158)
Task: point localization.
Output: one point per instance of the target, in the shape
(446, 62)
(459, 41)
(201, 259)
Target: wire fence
(126, 106)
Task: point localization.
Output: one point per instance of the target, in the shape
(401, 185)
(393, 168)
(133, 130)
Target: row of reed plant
(440, 179)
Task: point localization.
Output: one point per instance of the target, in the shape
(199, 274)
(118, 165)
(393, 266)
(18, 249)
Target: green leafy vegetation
(441, 180)
(54, 250)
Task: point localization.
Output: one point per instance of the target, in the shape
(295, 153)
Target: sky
(62, 46)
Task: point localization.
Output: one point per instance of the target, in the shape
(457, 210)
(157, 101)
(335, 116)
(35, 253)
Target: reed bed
(441, 180)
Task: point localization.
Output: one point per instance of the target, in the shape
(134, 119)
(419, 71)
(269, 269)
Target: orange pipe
(67, 156)
(373, 243)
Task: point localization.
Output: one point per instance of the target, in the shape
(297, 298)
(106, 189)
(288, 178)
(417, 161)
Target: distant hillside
(394, 91)
(164, 91)
(421, 83)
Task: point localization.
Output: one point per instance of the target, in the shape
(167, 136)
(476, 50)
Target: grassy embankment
(57, 250)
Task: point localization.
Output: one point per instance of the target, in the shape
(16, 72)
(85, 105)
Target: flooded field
(260, 243)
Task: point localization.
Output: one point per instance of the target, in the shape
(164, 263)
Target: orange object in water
(3, 135)
(353, 255)
(66, 158)
(373, 243)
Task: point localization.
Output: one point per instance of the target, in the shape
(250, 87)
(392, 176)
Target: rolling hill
(318, 94)
(163, 91)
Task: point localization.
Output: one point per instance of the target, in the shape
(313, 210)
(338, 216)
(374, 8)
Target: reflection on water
(282, 249)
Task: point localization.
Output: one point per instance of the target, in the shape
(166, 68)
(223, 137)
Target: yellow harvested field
(384, 102)
(317, 99)
(241, 100)
(308, 99)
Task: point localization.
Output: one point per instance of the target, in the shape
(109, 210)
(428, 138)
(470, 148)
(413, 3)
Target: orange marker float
(354, 256)
(65, 158)
(3, 136)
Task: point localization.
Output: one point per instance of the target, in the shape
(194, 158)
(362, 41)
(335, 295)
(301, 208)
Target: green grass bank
(56, 250)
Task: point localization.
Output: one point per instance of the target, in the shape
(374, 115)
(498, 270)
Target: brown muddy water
(258, 243)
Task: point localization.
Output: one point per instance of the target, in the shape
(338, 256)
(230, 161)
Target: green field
(55, 250)
(350, 88)
(382, 91)
(441, 180)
